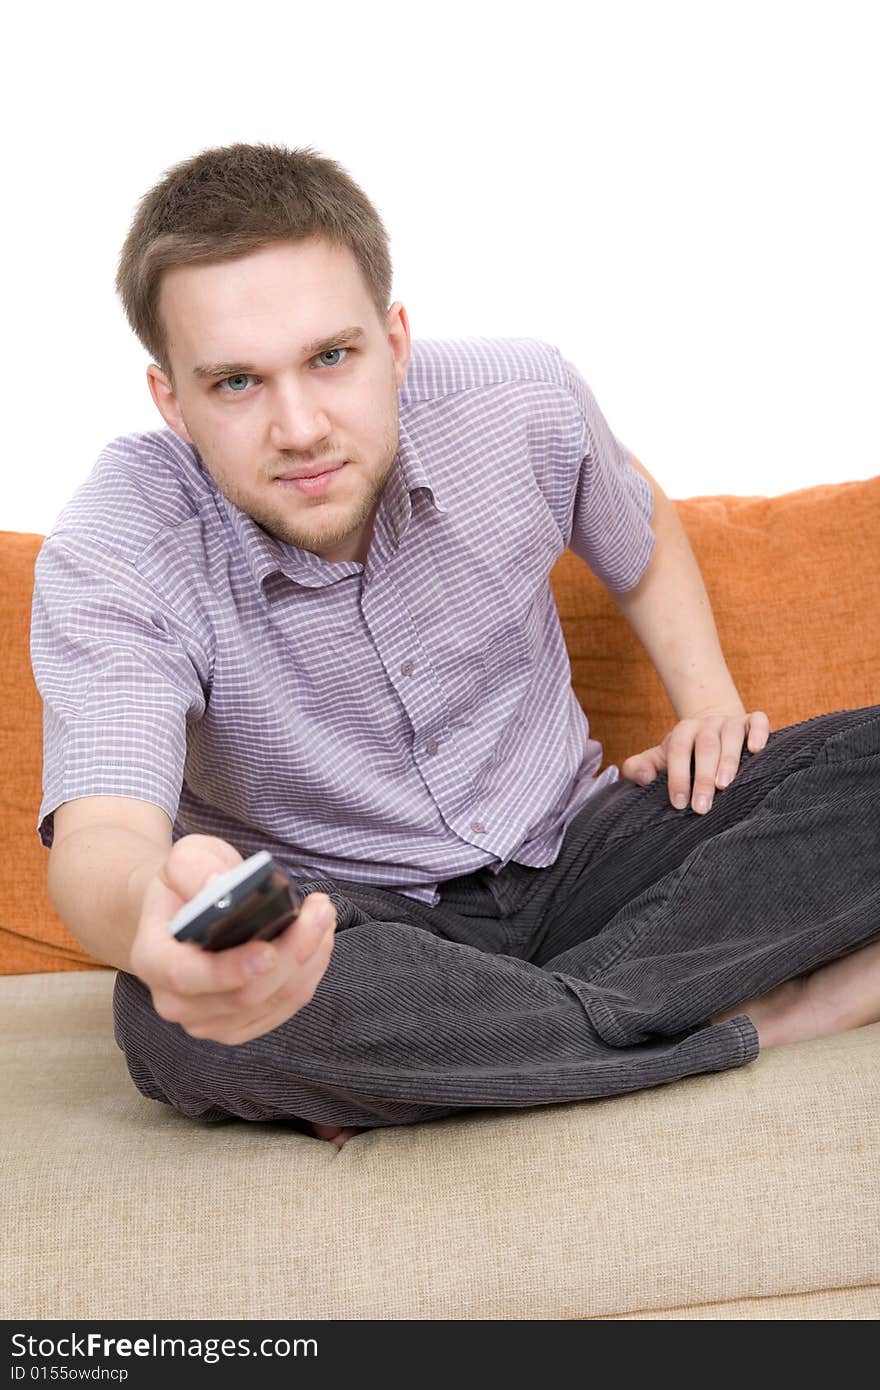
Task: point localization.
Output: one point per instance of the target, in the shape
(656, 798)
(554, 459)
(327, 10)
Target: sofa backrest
(793, 585)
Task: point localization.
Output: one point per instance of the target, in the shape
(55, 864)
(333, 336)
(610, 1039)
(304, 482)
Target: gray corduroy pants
(591, 977)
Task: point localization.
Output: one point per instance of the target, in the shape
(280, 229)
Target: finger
(187, 970)
(732, 735)
(679, 749)
(707, 754)
(193, 861)
(639, 768)
(316, 917)
(758, 726)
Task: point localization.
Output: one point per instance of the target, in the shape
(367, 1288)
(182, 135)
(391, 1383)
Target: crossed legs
(624, 965)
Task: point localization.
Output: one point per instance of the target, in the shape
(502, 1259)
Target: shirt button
(407, 668)
(432, 747)
(477, 826)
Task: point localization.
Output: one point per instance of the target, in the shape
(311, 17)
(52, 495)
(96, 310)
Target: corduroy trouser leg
(591, 977)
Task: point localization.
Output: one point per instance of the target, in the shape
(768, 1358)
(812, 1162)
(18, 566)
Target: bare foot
(335, 1133)
(837, 997)
(783, 1015)
(846, 993)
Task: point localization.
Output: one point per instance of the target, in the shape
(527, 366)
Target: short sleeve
(118, 676)
(614, 502)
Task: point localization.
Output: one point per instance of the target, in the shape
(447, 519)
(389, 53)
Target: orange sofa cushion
(32, 937)
(793, 586)
(792, 581)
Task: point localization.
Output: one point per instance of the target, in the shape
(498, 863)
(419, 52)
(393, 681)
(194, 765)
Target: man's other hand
(714, 738)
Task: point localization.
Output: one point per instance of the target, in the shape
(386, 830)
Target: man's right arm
(104, 852)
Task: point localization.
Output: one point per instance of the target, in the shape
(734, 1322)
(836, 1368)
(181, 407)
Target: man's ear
(398, 330)
(163, 394)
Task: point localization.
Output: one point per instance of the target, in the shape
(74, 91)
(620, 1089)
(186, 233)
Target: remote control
(254, 900)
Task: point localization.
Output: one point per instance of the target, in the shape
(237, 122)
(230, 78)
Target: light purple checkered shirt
(393, 723)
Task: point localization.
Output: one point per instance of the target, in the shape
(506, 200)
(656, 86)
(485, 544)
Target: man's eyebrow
(206, 371)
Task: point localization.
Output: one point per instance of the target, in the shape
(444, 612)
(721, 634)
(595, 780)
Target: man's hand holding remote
(234, 995)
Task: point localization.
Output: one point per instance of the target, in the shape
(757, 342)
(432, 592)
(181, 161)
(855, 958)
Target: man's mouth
(310, 482)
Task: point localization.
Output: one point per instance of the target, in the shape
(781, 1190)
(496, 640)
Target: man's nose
(297, 419)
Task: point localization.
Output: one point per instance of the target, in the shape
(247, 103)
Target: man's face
(275, 404)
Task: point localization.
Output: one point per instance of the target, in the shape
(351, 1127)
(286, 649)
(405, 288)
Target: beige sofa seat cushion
(759, 1184)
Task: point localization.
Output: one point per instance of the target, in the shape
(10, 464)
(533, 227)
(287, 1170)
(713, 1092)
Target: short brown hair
(229, 201)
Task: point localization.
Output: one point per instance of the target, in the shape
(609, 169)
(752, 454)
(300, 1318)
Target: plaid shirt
(393, 723)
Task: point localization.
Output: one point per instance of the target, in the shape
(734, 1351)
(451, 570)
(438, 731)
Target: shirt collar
(265, 555)
(408, 476)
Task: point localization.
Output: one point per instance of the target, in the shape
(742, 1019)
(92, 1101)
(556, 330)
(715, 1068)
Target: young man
(312, 615)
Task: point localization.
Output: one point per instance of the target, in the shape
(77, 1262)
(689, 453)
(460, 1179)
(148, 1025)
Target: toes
(336, 1134)
(343, 1135)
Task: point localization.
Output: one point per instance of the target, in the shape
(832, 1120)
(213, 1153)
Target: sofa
(751, 1193)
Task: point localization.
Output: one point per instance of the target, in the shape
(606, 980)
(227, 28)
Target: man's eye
(329, 353)
(239, 376)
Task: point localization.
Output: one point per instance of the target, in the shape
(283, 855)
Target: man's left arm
(670, 613)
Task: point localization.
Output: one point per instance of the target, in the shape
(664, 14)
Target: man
(312, 615)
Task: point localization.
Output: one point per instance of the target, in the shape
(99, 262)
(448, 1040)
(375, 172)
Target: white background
(682, 196)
